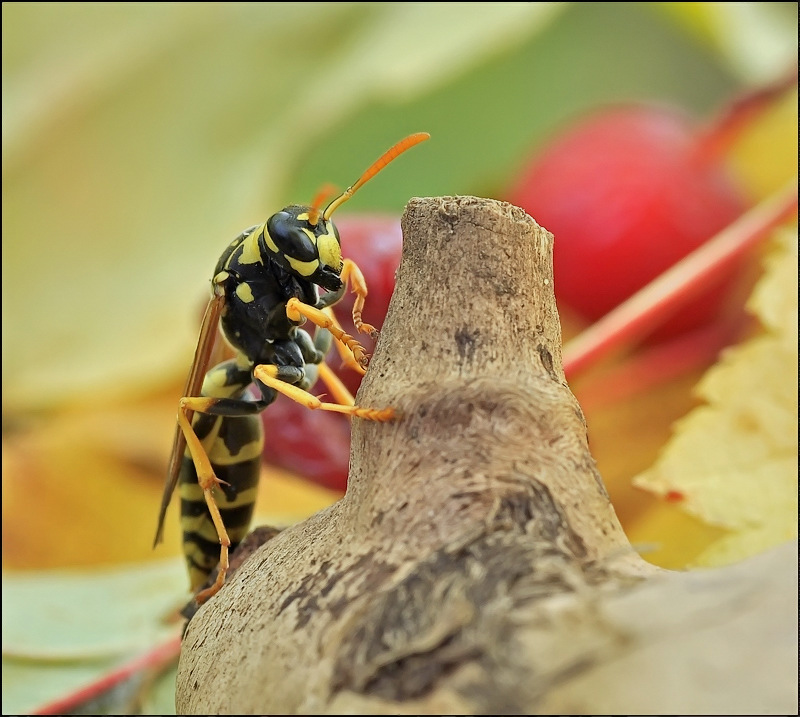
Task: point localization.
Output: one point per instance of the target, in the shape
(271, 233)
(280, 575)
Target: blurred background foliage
(139, 138)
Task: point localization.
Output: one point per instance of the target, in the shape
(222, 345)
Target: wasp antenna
(392, 153)
(315, 210)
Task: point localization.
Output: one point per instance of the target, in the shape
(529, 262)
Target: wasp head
(309, 250)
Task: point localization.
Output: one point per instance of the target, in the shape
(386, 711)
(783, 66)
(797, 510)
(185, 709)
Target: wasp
(265, 286)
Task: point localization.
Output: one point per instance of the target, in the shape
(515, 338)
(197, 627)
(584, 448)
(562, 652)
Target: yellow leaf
(734, 459)
(764, 156)
(774, 299)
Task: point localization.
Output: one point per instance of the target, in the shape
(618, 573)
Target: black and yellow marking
(265, 285)
(234, 447)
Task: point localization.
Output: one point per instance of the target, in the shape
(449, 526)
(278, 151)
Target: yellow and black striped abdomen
(234, 446)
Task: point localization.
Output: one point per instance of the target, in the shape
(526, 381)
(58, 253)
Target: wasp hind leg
(334, 384)
(205, 474)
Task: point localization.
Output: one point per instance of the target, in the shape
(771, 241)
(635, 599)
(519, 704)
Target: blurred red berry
(627, 193)
(313, 444)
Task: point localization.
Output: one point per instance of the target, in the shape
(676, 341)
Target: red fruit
(313, 444)
(316, 444)
(374, 242)
(627, 193)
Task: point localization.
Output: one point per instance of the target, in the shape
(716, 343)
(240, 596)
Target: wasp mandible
(265, 286)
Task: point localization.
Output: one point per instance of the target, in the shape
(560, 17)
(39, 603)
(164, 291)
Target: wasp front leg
(344, 353)
(352, 274)
(297, 311)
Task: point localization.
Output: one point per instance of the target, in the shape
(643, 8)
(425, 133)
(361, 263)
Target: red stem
(650, 306)
(151, 662)
(716, 140)
(657, 365)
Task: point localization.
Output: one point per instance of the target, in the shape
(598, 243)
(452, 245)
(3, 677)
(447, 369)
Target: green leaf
(64, 629)
(79, 615)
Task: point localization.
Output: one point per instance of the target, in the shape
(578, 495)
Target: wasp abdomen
(233, 445)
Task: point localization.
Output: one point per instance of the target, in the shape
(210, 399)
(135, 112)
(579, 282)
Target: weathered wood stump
(475, 564)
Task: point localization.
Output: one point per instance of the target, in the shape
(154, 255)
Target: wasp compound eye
(290, 237)
(330, 251)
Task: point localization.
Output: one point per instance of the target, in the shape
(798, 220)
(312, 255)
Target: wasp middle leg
(277, 379)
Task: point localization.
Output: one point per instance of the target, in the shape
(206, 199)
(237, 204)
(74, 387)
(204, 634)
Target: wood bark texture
(475, 564)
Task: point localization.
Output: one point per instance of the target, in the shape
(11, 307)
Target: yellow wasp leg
(347, 356)
(351, 273)
(296, 310)
(208, 481)
(267, 374)
(335, 386)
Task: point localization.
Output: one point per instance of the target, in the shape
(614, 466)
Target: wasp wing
(202, 356)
